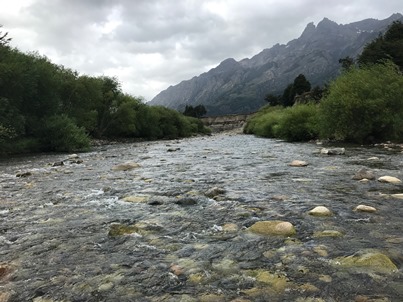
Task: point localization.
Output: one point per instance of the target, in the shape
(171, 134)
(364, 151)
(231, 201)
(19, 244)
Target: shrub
(364, 105)
(298, 123)
(61, 134)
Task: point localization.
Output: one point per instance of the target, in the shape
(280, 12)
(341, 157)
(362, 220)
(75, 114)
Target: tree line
(47, 107)
(363, 105)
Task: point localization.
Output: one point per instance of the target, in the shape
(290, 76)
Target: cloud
(152, 44)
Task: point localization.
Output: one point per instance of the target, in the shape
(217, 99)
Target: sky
(152, 44)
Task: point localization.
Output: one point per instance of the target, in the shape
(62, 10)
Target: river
(173, 224)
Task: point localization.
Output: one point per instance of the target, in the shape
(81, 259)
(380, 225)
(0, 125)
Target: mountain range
(237, 87)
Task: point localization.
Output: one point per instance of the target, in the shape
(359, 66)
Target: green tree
(298, 87)
(273, 100)
(197, 111)
(386, 47)
(346, 63)
(364, 105)
(4, 40)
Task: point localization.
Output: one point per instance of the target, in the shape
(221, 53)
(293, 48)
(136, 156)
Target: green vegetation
(363, 105)
(47, 107)
(197, 111)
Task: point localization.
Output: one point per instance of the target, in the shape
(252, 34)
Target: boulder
(273, 227)
(126, 166)
(364, 208)
(364, 174)
(298, 163)
(371, 261)
(320, 211)
(333, 151)
(389, 179)
(398, 196)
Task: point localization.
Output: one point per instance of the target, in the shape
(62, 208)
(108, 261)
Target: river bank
(177, 221)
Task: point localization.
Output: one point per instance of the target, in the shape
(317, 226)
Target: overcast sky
(152, 44)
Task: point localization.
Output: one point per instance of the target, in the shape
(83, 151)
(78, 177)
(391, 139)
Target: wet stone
(365, 208)
(126, 166)
(371, 261)
(364, 174)
(320, 211)
(275, 227)
(298, 163)
(389, 179)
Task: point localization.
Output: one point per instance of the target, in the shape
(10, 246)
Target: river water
(175, 228)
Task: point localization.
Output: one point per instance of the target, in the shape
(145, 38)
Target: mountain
(240, 86)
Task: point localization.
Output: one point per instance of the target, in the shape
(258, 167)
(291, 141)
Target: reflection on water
(176, 228)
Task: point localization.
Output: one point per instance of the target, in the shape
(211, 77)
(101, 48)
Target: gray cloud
(151, 44)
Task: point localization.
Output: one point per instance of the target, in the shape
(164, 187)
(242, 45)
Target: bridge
(226, 122)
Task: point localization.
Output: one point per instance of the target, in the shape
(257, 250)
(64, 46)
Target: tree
(4, 40)
(346, 63)
(272, 99)
(197, 111)
(298, 87)
(386, 47)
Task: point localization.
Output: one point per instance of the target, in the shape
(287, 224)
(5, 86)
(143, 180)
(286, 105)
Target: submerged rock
(327, 233)
(389, 179)
(126, 166)
(136, 199)
(298, 163)
(320, 211)
(117, 229)
(273, 227)
(364, 208)
(364, 174)
(215, 191)
(372, 261)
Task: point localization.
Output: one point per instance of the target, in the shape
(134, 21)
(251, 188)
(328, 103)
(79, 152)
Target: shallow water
(67, 234)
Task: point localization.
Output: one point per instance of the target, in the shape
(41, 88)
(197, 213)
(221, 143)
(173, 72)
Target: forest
(46, 107)
(363, 105)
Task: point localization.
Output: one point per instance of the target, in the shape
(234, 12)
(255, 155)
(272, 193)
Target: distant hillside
(239, 87)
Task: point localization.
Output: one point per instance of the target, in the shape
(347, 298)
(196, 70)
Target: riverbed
(171, 221)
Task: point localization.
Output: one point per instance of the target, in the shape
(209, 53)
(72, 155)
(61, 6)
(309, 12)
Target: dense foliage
(364, 105)
(197, 111)
(386, 47)
(46, 107)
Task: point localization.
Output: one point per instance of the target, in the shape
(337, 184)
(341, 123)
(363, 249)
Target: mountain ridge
(234, 87)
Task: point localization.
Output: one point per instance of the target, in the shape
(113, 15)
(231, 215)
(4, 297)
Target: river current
(173, 223)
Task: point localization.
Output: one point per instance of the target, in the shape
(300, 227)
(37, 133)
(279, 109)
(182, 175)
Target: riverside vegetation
(363, 105)
(47, 107)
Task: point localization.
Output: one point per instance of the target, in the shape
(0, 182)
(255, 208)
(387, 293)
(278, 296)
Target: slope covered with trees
(363, 105)
(47, 107)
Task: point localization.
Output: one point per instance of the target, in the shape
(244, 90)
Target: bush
(298, 123)
(264, 122)
(61, 134)
(364, 105)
